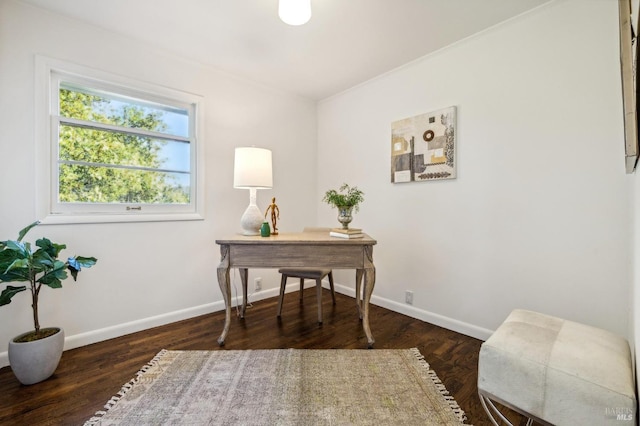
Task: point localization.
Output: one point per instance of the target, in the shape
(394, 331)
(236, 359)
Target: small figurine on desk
(275, 215)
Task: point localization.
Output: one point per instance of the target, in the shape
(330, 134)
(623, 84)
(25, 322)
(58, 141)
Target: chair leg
(283, 284)
(319, 295)
(301, 288)
(333, 292)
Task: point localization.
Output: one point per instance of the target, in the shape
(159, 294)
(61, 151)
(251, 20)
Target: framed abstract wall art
(423, 148)
(630, 86)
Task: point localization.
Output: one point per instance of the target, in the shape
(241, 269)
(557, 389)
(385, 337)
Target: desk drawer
(279, 255)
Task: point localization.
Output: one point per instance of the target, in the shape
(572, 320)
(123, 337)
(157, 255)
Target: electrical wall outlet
(408, 297)
(257, 284)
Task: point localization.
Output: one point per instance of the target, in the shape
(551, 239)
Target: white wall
(540, 214)
(147, 273)
(539, 217)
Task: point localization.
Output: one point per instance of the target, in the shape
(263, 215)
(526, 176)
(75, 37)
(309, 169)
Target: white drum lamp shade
(252, 170)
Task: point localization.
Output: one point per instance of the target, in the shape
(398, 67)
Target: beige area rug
(284, 387)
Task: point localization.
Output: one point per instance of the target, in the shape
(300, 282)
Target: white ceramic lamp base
(251, 220)
(252, 170)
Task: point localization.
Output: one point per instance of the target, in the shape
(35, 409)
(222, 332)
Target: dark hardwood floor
(87, 377)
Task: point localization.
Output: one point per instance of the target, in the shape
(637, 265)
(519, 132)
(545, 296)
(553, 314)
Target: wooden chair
(311, 273)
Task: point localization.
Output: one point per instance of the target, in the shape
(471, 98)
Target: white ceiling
(345, 43)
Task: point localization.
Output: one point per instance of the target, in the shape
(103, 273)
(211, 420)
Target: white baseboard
(426, 316)
(94, 336)
(118, 330)
(411, 311)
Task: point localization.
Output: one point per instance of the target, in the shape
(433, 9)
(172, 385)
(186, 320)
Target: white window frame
(49, 73)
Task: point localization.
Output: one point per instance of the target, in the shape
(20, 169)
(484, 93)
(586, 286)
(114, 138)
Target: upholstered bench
(557, 372)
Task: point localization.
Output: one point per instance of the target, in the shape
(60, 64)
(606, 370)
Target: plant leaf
(51, 248)
(42, 261)
(7, 257)
(54, 277)
(86, 262)
(9, 292)
(74, 272)
(18, 264)
(51, 281)
(24, 231)
(75, 264)
(15, 276)
(18, 247)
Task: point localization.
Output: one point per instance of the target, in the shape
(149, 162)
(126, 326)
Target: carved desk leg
(369, 283)
(359, 273)
(244, 277)
(225, 288)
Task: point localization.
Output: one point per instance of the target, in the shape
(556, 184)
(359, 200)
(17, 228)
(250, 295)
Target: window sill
(118, 218)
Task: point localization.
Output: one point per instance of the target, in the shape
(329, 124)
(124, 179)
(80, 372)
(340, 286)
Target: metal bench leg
(490, 408)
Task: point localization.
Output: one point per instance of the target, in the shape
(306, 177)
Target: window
(119, 150)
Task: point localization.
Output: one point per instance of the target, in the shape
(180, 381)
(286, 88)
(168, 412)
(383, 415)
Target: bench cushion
(560, 371)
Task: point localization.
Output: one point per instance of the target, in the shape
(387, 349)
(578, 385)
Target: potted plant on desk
(34, 356)
(346, 199)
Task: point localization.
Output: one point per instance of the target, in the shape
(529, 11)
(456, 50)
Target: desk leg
(225, 288)
(369, 283)
(244, 277)
(359, 273)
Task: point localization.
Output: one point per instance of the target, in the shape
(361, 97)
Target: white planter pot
(33, 362)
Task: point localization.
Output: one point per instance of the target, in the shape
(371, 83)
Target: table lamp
(252, 170)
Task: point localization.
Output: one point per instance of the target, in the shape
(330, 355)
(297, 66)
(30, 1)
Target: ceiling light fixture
(294, 12)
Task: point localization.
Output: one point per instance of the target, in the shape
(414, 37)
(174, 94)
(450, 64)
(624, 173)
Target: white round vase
(35, 361)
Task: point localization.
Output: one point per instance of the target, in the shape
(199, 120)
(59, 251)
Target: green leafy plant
(85, 184)
(345, 196)
(18, 262)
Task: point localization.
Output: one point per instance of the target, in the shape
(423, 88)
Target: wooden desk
(302, 249)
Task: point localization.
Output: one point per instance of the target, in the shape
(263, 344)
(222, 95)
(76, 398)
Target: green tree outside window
(110, 166)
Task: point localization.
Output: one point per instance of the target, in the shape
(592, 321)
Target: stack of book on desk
(346, 233)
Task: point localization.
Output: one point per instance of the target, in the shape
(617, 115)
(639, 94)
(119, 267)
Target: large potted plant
(346, 199)
(34, 355)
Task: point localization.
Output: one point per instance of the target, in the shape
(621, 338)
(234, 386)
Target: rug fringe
(439, 385)
(97, 417)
